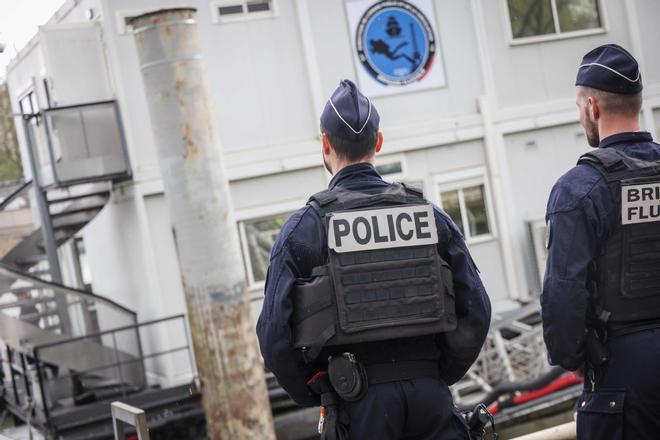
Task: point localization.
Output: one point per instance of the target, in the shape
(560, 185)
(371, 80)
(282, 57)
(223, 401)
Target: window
(257, 237)
(28, 104)
(466, 203)
(537, 18)
(392, 169)
(224, 11)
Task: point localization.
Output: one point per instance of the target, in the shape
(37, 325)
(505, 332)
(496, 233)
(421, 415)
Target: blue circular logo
(395, 42)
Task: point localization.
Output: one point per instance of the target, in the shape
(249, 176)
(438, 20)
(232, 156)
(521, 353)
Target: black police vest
(384, 278)
(625, 277)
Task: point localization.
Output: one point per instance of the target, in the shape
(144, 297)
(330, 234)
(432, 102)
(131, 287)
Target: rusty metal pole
(235, 397)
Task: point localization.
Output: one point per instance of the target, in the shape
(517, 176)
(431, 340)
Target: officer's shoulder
(574, 187)
(444, 223)
(304, 218)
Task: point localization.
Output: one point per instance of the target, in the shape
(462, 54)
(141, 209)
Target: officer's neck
(341, 163)
(611, 125)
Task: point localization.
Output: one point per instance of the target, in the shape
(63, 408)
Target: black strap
(320, 271)
(324, 197)
(339, 199)
(626, 329)
(402, 370)
(615, 165)
(312, 309)
(315, 349)
(412, 190)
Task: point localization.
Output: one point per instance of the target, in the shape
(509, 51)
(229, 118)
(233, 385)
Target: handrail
(79, 105)
(7, 200)
(11, 272)
(106, 332)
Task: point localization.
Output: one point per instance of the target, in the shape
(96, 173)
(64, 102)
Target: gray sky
(19, 20)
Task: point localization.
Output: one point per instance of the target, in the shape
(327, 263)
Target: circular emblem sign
(395, 42)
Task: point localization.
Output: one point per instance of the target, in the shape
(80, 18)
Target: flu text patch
(354, 231)
(640, 203)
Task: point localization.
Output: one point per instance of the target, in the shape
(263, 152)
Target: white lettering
(380, 228)
(640, 203)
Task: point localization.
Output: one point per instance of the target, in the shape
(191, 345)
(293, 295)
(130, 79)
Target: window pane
(575, 15)
(452, 207)
(260, 235)
(475, 206)
(230, 10)
(258, 6)
(531, 17)
(417, 184)
(389, 168)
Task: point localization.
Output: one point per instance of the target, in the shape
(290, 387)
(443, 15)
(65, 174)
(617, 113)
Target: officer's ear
(379, 142)
(325, 144)
(594, 107)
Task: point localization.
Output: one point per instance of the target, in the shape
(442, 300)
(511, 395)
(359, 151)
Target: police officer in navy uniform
(373, 305)
(601, 293)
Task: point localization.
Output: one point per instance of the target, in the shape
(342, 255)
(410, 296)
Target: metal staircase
(69, 212)
(66, 352)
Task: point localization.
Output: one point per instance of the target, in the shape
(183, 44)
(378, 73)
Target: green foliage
(10, 160)
(9, 168)
(535, 17)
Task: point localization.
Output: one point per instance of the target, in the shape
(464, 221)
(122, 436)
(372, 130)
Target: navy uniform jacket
(302, 245)
(581, 215)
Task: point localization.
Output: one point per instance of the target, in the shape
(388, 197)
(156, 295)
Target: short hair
(353, 150)
(615, 103)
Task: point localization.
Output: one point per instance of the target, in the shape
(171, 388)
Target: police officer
(373, 305)
(601, 293)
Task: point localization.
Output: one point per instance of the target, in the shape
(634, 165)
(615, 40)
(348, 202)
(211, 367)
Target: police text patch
(640, 203)
(382, 228)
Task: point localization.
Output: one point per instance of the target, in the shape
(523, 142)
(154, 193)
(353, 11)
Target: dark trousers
(419, 409)
(626, 401)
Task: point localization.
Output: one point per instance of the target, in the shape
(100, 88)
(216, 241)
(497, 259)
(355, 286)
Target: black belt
(624, 329)
(402, 370)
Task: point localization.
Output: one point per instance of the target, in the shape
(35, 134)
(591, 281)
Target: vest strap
(315, 349)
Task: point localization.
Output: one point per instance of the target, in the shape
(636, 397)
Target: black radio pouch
(348, 377)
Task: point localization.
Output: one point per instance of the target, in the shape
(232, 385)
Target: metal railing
(20, 190)
(514, 351)
(83, 143)
(39, 386)
(122, 413)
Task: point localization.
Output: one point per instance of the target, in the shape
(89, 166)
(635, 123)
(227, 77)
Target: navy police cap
(349, 114)
(610, 68)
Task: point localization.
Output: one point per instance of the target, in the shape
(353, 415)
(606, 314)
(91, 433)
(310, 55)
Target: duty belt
(403, 370)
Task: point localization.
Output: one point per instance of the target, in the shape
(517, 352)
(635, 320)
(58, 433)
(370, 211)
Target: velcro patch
(353, 231)
(640, 203)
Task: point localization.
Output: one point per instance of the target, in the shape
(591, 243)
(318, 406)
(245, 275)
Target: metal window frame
(216, 18)
(459, 180)
(558, 34)
(256, 285)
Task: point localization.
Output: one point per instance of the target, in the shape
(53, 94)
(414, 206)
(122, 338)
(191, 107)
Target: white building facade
(485, 139)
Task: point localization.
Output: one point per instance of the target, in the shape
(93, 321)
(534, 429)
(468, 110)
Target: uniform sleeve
(572, 244)
(275, 332)
(462, 346)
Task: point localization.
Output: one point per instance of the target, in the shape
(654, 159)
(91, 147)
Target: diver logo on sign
(395, 42)
(640, 203)
(354, 231)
